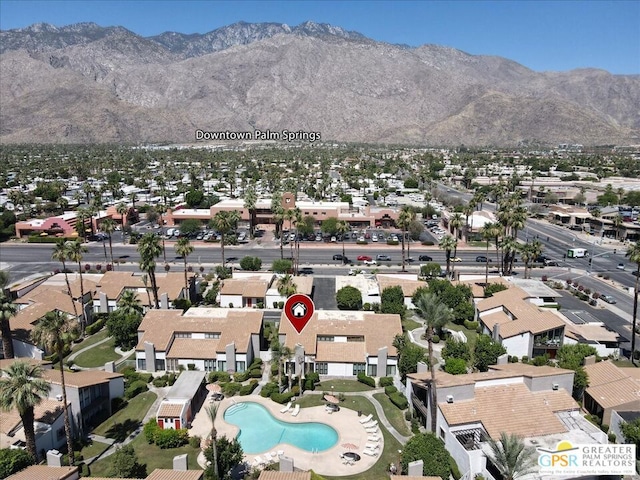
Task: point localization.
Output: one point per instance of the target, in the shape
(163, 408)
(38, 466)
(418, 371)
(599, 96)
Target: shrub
(604, 427)
(295, 390)
(281, 305)
(470, 325)
(150, 429)
(399, 400)
(386, 381)
(135, 388)
(252, 264)
(362, 378)
(436, 339)
(390, 389)
(171, 438)
(349, 298)
(281, 398)
(159, 382)
(13, 460)
(248, 389)
(194, 442)
(455, 366)
(513, 359)
(241, 376)
(95, 326)
(231, 388)
(275, 304)
(269, 389)
(219, 376)
(612, 437)
(525, 359)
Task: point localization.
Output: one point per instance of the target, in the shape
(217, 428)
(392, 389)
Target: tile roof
(44, 472)
(348, 352)
(273, 475)
(304, 284)
(233, 325)
(409, 286)
(170, 410)
(611, 386)
(512, 409)
(5, 362)
(84, 378)
(113, 283)
(162, 474)
(378, 330)
(195, 348)
(245, 287)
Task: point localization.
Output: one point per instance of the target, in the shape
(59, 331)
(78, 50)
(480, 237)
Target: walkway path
(118, 350)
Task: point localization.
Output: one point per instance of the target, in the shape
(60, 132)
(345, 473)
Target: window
(159, 364)
(209, 365)
(372, 370)
(60, 433)
(325, 338)
(441, 433)
(355, 338)
(358, 368)
(212, 335)
(222, 366)
(142, 364)
(172, 364)
(391, 370)
(241, 366)
(322, 368)
(183, 335)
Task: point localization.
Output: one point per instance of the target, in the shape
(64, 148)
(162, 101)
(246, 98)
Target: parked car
(483, 259)
(338, 256)
(608, 298)
(362, 258)
(361, 238)
(374, 238)
(383, 258)
(370, 262)
(425, 258)
(620, 266)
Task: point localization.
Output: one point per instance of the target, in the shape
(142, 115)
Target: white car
(361, 238)
(374, 238)
(370, 262)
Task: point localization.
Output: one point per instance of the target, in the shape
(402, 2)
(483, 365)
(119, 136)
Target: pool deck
(346, 422)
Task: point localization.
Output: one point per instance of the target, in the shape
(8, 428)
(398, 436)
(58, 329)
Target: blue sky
(542, 35)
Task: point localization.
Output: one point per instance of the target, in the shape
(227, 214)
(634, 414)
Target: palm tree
(290, 215)
(224, 222)
(456, 223)
(54, 332)
(278, 218)
(74, 253)
(149, 249)
(618, 221)
(510, 456)
(22, 388)
(129, 303)
(184, 249)
(7, 310)
(435, 315)
(633, 252)
(286, 286)
(488, 232)
(162, 209)
(286, 354)
(123, 209)
(509, 246)
(212, 413)
(145, 281)
(405, 217)
(108, 226)
(60, 253)
(250, 200)
(448, 244)
(529, 252)
(343, 228)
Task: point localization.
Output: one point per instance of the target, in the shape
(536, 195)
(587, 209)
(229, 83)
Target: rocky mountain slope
(86, 83)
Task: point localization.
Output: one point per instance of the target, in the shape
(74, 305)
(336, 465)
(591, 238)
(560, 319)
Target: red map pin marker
(299, 309)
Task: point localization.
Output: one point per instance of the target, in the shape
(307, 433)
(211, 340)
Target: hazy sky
(542, 35)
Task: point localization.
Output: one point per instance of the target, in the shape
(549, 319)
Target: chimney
(415, 468)
(495, 336)
(164, 301)
(180, 462)
(54, 458)
(286, 464)
(110, 367)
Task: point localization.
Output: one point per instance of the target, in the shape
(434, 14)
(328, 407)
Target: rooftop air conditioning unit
(59, 397)
(555, 386)
(449, 398)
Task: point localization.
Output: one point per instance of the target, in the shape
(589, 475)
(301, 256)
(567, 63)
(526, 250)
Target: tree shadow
(120, 431)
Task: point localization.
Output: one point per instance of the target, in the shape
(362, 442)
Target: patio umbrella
(349, 446)
(214, 388)
(332, 399)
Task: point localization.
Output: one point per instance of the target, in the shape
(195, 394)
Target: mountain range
(85, 83)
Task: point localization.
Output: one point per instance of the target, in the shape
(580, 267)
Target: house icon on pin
(299, 310)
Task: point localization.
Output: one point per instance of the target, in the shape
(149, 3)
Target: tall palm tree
(456, 223)
(529, 252)
(488, 232)
(22, 388)
(290, 216)
(297, 222)
(405, 217)
(224, 222)
(618, 221)
(145, 281)
(161, 208)
(61, 254)
(286, 354)
(510, 456)
(435, 315)
(7, 310)
(509, 246)
(108, 226)
(448, 244)
(343, 228)
(250, 200)
(123, 209)
(278, 218)
(633, 252)
(74, 253)
(54, 332)
(212, 413)
(184, 249)
(149, 249)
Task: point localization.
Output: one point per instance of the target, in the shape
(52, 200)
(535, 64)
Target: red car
(362, 258)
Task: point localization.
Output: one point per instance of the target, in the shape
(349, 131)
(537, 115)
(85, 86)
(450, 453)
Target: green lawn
(410, 324)
(128, 419)
(93, 449)
(393, 414)
(342, 386)
(98, 355)
(101, 335)
(470, 334)
(153, 456)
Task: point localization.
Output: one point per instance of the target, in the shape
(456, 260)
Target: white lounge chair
(371, 453)
(372, 430)
(296, 410)
(257, 461)
(269, 458)
(372, 446)
(373, 423)
(280, 453)
(286, 409)
(373, 438)
(366, 419)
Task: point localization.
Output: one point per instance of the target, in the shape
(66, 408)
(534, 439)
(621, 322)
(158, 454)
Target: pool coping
(345, 422)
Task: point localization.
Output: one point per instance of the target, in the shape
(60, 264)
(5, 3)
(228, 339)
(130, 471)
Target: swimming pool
(260, 431)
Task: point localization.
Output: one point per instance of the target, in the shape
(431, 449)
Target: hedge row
(362, 378)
